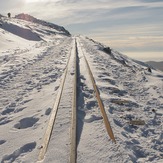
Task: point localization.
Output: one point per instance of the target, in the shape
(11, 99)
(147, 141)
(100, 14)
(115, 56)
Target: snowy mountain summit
(30, 28)
(44, 23)
(35, 55)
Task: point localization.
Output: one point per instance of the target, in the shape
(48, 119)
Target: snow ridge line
(52, 119)
(100, 103)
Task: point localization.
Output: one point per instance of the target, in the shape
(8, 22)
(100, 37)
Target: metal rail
(73, 150)
(51, 122)
(100, 103)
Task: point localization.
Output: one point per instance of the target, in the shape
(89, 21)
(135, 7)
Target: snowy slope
(26, 68)
(29, 18)
(33, 57)
(129, 92)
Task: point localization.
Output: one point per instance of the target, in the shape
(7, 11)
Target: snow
(33, 57)
(130, 93)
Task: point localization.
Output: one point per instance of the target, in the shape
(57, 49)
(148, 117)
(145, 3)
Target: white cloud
(77, 11)
(126, 24)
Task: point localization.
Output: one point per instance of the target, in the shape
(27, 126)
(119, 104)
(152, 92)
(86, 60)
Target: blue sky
(133, 27)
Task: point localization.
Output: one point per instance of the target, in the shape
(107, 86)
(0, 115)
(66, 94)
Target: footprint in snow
(125, 134)
(22, 101)
(118, 122)
(4, 120)
(101, 76)
(91, 118)
(19, 109)
(26, 101)
(135, 141)
(2, 142)
(139, 151)
(87, 95)
(130, 129)
(113, 90)
(56, 88)
(48, 111)
(9, 109)
(26, 123)
(29, 82)
(105, 74)
(91, 104)
(108, 80)
(101, 68)
(19, 152)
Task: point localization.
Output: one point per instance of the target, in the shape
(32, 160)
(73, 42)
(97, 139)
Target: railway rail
(72, 61)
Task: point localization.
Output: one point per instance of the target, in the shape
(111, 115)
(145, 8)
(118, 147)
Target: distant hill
(157, 65)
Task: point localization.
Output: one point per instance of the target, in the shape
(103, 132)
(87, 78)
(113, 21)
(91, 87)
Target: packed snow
(33, 58)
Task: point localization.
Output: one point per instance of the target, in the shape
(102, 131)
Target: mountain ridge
(26, 26)
(30, 18)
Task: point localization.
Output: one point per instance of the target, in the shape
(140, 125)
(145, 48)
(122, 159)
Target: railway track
(69, 140)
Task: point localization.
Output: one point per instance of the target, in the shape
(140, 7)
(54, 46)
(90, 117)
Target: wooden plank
(137, 122)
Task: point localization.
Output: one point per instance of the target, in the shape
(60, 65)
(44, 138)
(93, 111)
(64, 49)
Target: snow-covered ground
(129, 92)
(33, 57)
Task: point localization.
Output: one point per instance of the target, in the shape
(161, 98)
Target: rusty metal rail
(100, 103)
(73, 148)
(52, 119)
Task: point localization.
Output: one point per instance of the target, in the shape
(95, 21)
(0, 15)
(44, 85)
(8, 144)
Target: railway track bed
(71, 131)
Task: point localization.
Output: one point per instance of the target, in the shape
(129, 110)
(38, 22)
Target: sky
(133, 27)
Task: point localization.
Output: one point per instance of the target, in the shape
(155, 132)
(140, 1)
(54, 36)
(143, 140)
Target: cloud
(130, 38)
(75, 11)
(132, 25)
(150, 1)
(8, 5)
